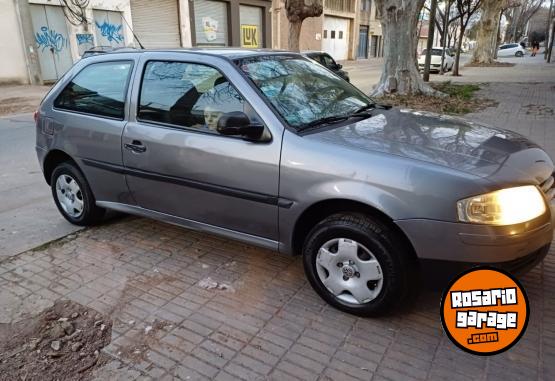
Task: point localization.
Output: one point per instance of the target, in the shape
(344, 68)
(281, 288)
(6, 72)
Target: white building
(55, 42)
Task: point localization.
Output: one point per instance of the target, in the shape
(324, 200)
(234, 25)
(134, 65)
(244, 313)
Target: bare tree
(399, 20)
(487, 27)
(518, 19)
(440, 19)
(466, 9)
(297, 11)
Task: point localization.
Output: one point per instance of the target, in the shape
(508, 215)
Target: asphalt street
(28, 215)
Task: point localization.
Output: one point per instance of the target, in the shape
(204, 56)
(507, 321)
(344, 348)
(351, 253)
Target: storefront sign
(249, 36)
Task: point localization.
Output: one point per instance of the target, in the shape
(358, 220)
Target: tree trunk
(400, 71)
(295, 36)
(297, 11)
(430, 42)
(488, 25)
(458, 53)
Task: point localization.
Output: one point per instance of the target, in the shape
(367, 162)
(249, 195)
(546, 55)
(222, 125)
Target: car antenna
(132, 32)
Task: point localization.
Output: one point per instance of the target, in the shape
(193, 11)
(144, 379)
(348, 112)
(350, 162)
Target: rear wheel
(73, 196)
(358, 264)
(519, 54)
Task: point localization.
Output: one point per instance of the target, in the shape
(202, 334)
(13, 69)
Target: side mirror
(237, 123)
(338, 66)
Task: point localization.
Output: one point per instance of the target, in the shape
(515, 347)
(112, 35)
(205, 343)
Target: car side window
(188, 95)
(98, 89)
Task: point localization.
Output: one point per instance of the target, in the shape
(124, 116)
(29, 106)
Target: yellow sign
(249, 36)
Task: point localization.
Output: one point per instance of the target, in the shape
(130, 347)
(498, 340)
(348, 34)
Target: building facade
(203, 23)
(347, 29)
(56, 38)
(42, 39)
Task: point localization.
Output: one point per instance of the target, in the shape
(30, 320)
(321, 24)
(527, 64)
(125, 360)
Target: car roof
(230, 53)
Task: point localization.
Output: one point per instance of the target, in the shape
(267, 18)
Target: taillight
(36, 116)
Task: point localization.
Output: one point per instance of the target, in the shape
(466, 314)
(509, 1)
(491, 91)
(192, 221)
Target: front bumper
(477, 244)
(436, 274)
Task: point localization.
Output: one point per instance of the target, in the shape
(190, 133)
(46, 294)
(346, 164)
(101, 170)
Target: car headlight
(503, 207)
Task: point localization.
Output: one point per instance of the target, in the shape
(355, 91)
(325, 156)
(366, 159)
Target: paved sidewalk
(266, 322)
(366, 73)
(527, 108)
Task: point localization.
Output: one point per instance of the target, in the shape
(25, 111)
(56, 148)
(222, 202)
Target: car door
(176, 161)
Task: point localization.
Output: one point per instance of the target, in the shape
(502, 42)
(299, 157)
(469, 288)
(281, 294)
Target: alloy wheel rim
(70, 196)
(349, 271)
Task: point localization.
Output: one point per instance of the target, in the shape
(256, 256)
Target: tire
(380, 252)
(519, 54)
(79, 207)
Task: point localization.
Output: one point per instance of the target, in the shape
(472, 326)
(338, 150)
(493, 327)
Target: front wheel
(358, 264)
(73, 196)
(519, 54)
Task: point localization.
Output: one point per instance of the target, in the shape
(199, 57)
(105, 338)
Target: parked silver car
(272, 149)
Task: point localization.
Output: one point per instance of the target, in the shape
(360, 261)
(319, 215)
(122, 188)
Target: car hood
(447, 141)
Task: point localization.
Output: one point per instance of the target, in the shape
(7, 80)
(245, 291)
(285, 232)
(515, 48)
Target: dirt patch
(538, 110)
(460, 99)
(493, 64)
(62, 342)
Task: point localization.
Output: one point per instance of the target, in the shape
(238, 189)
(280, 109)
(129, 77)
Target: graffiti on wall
(50, 39)
(84, 39)
(112, 32)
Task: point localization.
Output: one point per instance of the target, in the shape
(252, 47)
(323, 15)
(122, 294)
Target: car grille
(548, 189)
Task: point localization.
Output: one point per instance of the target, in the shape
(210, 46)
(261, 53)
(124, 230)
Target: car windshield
(302, 92)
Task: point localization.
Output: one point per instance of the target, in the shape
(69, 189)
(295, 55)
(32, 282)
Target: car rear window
(98, 89)
(435, 52)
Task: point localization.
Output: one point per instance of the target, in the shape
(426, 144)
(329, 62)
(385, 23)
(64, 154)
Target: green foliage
(464, 91)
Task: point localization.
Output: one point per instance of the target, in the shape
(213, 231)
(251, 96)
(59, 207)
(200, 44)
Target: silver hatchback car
(272, 149)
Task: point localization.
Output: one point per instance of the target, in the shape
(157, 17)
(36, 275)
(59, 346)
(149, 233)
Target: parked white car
(511, 50)
(435, 63)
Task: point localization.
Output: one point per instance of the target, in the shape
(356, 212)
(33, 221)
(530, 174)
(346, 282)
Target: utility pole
(430, 42)
(497, 36)
(445, 24)
(550, 49)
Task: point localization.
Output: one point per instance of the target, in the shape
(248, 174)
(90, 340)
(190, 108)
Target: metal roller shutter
(251, 26)
(109, 28)
(156, 23)
(211, 27)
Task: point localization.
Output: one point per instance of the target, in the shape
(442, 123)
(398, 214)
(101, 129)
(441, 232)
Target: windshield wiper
(323, 121)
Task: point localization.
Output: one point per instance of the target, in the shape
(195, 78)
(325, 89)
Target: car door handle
(135, 146)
